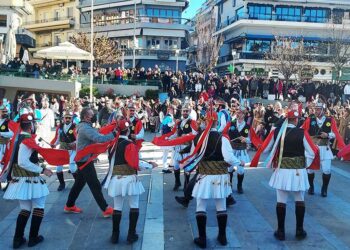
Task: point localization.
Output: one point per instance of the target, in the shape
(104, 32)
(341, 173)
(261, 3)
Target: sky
(192, 8)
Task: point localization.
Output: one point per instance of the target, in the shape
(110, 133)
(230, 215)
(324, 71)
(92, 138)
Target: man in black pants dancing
(88, 135)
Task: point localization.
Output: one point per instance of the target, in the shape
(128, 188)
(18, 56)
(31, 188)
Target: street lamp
(234, 54)
(177, 52)
(134, 43)
(91, 48)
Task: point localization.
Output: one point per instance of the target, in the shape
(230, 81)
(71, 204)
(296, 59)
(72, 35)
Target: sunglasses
(68, 118)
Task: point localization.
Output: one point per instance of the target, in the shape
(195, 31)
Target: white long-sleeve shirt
(347, 89)
(24, 154)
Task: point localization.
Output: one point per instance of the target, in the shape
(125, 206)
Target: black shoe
(166, 171)
(222, 240)
(132, 238)
(202, 243)
(61, 187)
(230, 201)
(280, 235)
(34, 241)
(182, 200)
(300, 234)
(239, 189)
(115, 237)
(311, 191)
(18, 242)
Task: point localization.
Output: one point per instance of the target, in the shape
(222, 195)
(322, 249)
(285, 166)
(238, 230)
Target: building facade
(52, 21)
(204, 25)
(158, 37)
(15, 11)
(249, 28)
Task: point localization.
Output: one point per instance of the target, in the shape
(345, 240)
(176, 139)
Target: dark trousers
(87, 175)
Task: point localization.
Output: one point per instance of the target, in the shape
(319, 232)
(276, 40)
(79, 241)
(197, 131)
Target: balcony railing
(262, 56)
(155, 52)
(114, 20)
(278, 17)
(48, 20)
(82, 78)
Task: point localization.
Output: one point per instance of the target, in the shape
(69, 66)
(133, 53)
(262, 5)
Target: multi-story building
(158, 37)
(15, 11)
(53, 21)
(249, 28)
(204, 25)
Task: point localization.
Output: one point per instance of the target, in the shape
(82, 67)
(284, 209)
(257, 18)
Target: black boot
(186, 179)
(325, 178)
(21, 223)
(182, 200)
(117, 215)
(230, 200)
(74, 176)
(240, 178)
(222, 222)
(311, 178)
(281, 215)
(201, 218)
(61, 180)
(299, 214)
(133, 217)
(177, 180)
(231, 177)
(37, 217)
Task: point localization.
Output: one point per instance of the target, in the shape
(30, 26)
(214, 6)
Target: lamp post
(177, 52)
(91, 48)
(134, 43)
(234, 54)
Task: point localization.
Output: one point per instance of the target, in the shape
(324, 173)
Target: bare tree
(105, 49)
(208, 45)
(339, 47)
(290, 57)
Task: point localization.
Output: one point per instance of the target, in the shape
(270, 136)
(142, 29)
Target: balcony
(282, 18)
(21, 6)
(158, 53)
(116, 22)
(50, 24)
(43, 3)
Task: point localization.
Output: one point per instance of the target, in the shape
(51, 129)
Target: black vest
(69, 136)
(186, 129)
(316, 130)
(213, 150)
(234, 133)
(120, 151)
(293, 142)
(34, 156)
(133, 126)
(5, 126)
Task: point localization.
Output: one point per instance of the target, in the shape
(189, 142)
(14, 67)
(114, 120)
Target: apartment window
(253, 45)
(162, 13)
(338, 16)
(284, 13)
(3, 20)
(153, 43)
(70, 12)
(170, 43)
(56, 40)
(57, 15)
(261, 12)
(316, 15)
